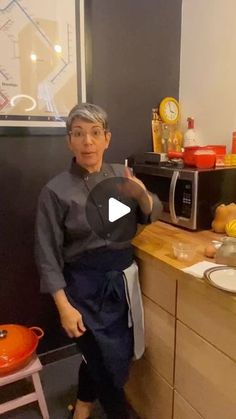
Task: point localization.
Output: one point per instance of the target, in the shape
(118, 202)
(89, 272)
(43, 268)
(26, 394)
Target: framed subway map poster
(41, 65)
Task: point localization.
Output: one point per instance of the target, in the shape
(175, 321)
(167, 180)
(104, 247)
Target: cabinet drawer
(204, 376)
(157, 284)
(200, 309)
(183, 410)
(160, 339)
(149, 394)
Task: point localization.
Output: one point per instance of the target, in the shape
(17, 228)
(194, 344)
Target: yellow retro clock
(169, 110)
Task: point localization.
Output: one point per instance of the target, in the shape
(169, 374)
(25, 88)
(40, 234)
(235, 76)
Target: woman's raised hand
(132, 187)
(135, 189)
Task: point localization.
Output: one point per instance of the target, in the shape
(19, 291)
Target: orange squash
(223, 214)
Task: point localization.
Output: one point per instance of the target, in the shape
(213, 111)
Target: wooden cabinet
(183, 410)
(158, 284)
(204, 376)
(189, 367)
(148, 392)
(209, 312)
(160, 339)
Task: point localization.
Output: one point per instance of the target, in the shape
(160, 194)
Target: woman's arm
(49, 259)
(49, 238)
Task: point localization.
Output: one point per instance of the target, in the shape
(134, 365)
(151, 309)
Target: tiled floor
(59, 380)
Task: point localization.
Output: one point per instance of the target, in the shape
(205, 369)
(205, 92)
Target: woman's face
(88, 141)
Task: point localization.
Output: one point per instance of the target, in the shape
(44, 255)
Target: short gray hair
(89, 113)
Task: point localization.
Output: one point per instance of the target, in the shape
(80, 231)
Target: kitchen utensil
(17, 345)
(223, 277)
(204, 159)
(226, 254)
(189, 154)
(183, 251)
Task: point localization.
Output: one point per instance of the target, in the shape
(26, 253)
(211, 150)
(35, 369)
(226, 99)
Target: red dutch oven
(189, 156)
(189, 152)
(17, 346)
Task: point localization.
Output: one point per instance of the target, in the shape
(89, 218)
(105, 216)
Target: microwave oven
(189, 196)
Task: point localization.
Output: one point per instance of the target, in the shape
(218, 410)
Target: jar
(175, 139)
(226, 254)
(156, 131)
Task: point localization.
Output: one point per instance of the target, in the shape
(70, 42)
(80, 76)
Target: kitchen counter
(156, 239)
(155, 242)
(189, 367)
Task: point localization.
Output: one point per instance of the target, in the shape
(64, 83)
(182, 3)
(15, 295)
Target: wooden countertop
(154, 242)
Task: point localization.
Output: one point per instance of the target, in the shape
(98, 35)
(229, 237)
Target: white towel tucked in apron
(136, 314)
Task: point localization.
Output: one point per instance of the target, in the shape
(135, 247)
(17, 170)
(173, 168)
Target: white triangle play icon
(116, 209)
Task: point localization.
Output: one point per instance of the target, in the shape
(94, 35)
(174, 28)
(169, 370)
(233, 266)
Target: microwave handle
(174, 179)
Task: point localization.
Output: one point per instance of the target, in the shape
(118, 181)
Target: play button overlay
(111, 211)
(116, 210)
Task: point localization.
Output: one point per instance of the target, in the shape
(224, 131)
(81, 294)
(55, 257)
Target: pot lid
(17, 342)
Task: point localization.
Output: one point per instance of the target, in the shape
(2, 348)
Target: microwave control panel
(186, 200)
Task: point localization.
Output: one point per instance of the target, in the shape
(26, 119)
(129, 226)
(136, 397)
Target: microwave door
(174, 178)
(183, 199)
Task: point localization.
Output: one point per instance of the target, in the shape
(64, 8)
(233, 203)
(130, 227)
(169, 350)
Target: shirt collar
(80, 171)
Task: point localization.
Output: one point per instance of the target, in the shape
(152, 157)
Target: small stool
(32, 369)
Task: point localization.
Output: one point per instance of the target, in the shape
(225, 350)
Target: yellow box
(227, 160)
(233, 159)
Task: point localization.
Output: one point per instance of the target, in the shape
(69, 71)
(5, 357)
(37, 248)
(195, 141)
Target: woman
(88, 272)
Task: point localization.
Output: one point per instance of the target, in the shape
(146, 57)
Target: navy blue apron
(95, 286)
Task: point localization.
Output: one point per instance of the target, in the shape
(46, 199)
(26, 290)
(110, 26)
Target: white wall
(208, 68)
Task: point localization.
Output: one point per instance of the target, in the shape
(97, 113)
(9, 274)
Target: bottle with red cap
(190, 136)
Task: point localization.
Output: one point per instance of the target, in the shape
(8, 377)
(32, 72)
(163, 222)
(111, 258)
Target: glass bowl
(183, 251)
